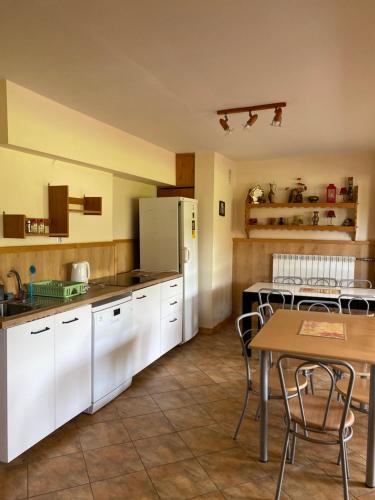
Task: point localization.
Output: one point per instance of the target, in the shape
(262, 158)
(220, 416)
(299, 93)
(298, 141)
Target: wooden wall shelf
(353, 206)
(14, 226)
(302, 227)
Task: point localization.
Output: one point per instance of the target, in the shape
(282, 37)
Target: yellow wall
(317, 172)
(38, 124)
(125, 206)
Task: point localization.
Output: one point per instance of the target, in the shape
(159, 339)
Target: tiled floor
(170, 436)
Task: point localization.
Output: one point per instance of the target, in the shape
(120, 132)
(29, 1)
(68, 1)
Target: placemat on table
(320, 290)
(323, 329)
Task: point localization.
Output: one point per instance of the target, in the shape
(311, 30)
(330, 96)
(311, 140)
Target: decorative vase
(315, 218)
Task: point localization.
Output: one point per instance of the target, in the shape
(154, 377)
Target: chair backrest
(285, 280)
(315, 281)
(325, 367)
(356, 283)
(266, 311)
(284, 297)
(245, 335)
(351, 300)
(326, 305)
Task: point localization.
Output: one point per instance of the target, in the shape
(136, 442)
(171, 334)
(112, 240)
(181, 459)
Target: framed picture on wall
(222, 208)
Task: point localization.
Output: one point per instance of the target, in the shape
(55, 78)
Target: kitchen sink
(13, 308)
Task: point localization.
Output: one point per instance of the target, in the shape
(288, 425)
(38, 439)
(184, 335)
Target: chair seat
(361, 389)
(274, 386)
(361, 369)
(314, 408)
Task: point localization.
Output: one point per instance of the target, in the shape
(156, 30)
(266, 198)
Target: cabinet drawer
(171, 306)
(171, 332)
(171, 288)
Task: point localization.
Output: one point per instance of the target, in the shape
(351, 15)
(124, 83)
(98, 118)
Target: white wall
(126, 206)
(213, 183)
(317, 172)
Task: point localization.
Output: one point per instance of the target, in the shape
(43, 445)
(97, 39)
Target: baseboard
(209, 331)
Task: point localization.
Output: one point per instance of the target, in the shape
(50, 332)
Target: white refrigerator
(168, 232)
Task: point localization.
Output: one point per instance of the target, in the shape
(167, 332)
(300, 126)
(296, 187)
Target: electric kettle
(80, 271)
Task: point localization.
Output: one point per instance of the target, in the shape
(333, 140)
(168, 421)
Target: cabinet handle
(70, 321)
(40, 331)
(141, 297)
(172, 320)
(173, 303)
(172, 286)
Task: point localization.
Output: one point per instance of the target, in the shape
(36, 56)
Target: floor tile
(208, 393)
(106, 414)
(261, 490)
(173, 399)
(13, 482)
(56, 474)
(103, 434)
(162, 384)
(180, 480)
(112, 461)
(226, 411)
(207, 439)
(64, 441)
(162, 450)
(135, 486)
(188, 417)
(145, 426)
(194, 379)
(136, 406)
(215, 495)
(77, 493)
(231, 467)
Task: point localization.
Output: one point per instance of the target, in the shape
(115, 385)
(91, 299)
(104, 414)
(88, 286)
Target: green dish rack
(60, 289)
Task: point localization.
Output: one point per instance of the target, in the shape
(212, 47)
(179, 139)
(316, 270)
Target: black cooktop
(122, 279)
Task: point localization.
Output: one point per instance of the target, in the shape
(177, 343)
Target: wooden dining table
(281, 334)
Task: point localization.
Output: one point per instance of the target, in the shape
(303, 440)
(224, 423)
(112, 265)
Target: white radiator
(313, 266)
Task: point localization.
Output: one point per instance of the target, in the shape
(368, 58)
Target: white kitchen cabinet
(72, 363)
(27, 386)
(171, 315)
(146, 316)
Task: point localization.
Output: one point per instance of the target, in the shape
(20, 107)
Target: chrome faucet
(21, 291)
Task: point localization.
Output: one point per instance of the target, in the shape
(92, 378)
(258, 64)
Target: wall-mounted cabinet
(185, 177)
(57, 225)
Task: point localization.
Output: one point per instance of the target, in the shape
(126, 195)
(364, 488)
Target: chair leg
(344, 470)
(246, 399)
(294, 440)
(346, 460)
(312, 382)
(282, 465)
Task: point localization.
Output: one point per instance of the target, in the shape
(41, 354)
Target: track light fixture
(276, 122)
(277, 119)
(224, 123)
(250, 122)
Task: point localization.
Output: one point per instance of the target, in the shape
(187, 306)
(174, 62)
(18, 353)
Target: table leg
(370, 463)
(264, 406)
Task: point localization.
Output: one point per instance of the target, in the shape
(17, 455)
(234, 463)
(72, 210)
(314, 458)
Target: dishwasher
(112, 349)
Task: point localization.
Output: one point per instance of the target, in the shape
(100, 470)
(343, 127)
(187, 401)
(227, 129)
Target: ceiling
(159, 69)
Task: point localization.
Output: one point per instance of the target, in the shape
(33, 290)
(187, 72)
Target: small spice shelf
(14, 226)
(302, 227)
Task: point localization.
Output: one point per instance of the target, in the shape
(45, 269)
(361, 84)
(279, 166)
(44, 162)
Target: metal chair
(285, 280)
(317, 419)
(355, 283)
(284, 295)
(266, 311)
(350, 299)
(326, 305)
(273, 377)
(315, 281)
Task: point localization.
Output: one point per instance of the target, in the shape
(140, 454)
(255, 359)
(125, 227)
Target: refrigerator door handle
(186, 255)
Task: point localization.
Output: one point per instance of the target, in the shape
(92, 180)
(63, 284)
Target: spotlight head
(277, 119)
(224, 123)
(250, 122)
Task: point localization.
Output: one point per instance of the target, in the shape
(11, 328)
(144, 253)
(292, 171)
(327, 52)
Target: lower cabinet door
(171, 332)
(30, 385)
(146, 316)
(72, 363)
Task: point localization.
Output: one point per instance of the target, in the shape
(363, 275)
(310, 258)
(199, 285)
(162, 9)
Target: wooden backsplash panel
(54, 261)
(252, 259)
